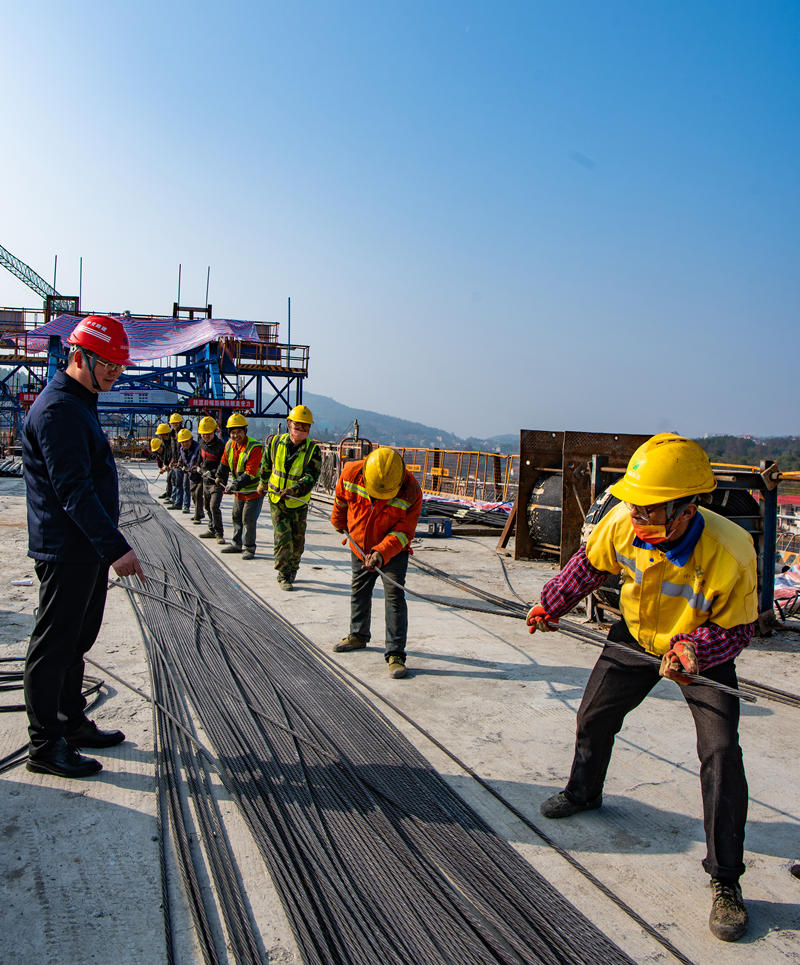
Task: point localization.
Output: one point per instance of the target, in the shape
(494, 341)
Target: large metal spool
(544, 511)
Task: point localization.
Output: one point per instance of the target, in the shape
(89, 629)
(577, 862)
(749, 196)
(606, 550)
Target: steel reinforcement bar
(374, 857)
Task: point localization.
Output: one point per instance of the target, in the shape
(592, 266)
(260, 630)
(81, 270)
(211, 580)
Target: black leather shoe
(64, 761)
(90, 735)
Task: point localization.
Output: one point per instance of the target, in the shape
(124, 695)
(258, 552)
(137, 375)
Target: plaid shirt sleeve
(715, 645)
(573, 583)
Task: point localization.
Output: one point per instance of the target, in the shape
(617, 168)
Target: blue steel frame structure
(264, 379)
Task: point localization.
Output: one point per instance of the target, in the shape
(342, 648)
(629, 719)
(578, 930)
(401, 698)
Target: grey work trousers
(245, 517)
(396, 609)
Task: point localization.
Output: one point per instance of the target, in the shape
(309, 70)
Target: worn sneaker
(560, 806)
(728, 920)
(221, 540)
(209, 534)
(351, 642)
(249, 553)
(285, 585)
(397, 666)
(233, 548)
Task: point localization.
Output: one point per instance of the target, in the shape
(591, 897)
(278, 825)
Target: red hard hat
(103, 335)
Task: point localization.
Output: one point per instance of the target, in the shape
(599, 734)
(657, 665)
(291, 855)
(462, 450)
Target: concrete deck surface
(80, 864)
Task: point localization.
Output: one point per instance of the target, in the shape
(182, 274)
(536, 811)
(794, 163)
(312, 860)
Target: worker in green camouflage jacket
(290, 468)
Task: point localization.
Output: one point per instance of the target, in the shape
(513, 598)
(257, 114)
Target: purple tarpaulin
(151, 338)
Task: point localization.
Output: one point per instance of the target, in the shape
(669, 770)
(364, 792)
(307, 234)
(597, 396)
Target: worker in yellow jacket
(689, 597)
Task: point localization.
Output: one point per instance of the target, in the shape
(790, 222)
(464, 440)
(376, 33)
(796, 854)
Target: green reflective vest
(238, 469)
(281, 477)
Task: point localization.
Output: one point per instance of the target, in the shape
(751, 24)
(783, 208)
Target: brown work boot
(728, 920)
(560, 806)
(351, 642)
(397, 666)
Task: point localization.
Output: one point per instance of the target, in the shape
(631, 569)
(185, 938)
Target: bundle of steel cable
(373, 855)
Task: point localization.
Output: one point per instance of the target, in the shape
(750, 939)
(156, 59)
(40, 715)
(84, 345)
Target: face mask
(649, 533)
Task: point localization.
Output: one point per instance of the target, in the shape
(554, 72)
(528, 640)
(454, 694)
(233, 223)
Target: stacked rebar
(374, 857)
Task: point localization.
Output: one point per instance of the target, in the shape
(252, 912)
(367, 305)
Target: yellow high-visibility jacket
(659, 599)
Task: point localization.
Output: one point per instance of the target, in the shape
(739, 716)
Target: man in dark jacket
(211, 449)
(73, 535)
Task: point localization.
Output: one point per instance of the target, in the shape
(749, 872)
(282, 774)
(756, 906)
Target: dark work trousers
(396, 609)
(179, 498)
(619, 682)
(168, 474)
(197, 495)
(245, 517)
(72, 597)
(212, 497)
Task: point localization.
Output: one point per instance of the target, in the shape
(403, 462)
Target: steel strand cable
(185, 615)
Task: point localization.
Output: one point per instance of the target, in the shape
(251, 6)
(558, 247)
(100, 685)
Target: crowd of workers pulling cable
(688, 594)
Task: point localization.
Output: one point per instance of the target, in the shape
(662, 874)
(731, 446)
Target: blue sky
(488, 216)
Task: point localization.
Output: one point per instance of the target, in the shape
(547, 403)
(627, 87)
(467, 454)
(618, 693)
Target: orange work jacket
(385, 525)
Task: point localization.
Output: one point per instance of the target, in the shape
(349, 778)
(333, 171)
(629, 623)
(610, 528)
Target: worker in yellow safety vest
(238, 474)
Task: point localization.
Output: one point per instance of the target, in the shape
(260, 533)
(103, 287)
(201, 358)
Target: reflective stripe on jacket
(281, 477)
(385, 525)
(237, 458)
(659, 599)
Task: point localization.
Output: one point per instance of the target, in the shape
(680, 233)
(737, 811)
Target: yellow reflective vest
(659, 599)
(241, 463)
(281, 477)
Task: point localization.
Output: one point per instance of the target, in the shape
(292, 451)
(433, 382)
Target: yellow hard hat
(163, 429)
(301, 413)
(184, 435)
(383, 473)
(176, 419)
(236, 421)
(665, 467)
(207, 424)
(155, 444)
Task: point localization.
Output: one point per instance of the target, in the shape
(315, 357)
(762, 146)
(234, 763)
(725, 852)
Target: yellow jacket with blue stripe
(659, 598)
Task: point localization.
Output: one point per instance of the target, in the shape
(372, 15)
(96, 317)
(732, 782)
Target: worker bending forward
(238, 474)
(290, 468)
(378, 503)
(688, 596)
(72, 496)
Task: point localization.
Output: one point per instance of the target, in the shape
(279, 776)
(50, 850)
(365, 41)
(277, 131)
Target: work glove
(262, 488)
(209, 476)
(373, 559)
(680, 656)
(539, 619)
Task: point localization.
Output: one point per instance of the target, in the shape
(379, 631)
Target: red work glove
(680, 656)
(539, 619)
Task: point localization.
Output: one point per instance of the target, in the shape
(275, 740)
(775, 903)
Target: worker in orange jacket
(378, 502)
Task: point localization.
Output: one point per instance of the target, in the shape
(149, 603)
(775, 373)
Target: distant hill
(749, 451)
(333, 421)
